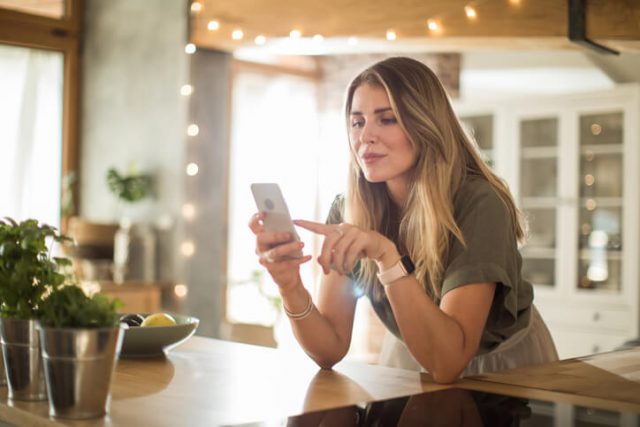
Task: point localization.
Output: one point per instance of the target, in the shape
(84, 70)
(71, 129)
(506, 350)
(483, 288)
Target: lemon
(158, 319)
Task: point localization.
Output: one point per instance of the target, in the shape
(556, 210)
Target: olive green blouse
(491, 255)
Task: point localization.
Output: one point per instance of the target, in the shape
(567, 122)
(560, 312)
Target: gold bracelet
(304, 313)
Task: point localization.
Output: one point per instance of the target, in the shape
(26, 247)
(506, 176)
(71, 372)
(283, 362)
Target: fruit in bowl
(156, 333)
(158, 319)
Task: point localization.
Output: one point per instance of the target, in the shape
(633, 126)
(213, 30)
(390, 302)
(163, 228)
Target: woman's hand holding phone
(277, 243)
(275, 250)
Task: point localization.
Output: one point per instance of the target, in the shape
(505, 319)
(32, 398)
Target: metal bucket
(3, 377)
(78, 365)
(22, 360)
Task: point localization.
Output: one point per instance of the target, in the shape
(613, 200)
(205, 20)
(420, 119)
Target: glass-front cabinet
(572, 163)
(601, 178)
(538, 196)
(576, 180)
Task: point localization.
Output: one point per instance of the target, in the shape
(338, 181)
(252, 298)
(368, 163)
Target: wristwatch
(400, 269)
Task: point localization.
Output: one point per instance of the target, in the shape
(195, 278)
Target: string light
(188, 211)
(186, 90)
(180, 290)
(192, 169)
(196, 7)
(190, 48)
(470, 12)
(193, 129)
(237, 34)
(433, 24)
(188, 248)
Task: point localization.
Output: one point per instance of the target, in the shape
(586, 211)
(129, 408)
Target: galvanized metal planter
(22, 359)
(78, 366)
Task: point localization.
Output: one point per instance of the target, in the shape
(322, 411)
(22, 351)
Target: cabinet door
(538, 196)
(600, 233)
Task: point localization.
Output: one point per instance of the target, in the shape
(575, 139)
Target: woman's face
(383, 150)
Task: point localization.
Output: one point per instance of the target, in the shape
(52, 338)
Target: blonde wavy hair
(445, 157)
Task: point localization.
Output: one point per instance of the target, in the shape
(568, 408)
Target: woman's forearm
(315, 333)
(435, 339)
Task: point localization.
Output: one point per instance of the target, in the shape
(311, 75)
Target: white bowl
(153, 341)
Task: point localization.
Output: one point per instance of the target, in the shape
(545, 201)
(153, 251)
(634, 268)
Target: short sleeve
(336, 212)
(490, 254)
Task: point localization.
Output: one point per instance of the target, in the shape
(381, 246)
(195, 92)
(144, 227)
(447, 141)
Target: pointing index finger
(315, 227)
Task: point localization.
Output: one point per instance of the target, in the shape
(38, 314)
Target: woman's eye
(357, 124)
(388, 120)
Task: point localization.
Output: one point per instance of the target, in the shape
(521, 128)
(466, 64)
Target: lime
(158, 319)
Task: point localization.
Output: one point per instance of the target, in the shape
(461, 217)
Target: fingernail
(301, 245)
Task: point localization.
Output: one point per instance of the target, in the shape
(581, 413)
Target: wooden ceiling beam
(539, 24)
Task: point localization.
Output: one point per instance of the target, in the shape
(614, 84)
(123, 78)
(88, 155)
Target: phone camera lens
(269, 204)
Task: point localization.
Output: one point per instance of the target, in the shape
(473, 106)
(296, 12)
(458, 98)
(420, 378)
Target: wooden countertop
(211, 382)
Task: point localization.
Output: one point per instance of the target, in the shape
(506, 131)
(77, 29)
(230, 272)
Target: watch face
(408, 264)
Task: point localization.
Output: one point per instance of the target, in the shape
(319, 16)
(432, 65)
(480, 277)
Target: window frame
(61, 35)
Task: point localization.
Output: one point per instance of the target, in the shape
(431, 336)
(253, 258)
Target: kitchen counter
(212, 382)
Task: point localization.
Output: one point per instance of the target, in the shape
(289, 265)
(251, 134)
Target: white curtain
(31, 105)
(274, 139)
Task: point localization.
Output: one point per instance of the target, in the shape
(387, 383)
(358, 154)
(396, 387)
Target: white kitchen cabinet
(572, 163)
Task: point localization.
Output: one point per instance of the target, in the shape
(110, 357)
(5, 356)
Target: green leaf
(69, 307)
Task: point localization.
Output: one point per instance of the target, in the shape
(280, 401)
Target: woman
(426, 230)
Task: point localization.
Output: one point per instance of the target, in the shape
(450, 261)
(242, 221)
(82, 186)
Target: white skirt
(529, 346)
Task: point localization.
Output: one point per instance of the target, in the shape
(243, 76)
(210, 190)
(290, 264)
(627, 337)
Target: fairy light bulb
(213, 25)
(391, 35)
(192, 169)
(196, 7)
(180, 290)
(186, 90)
(237, 34)
(470, 12)
(188, 248)
(193, 129)
(190, 48)
(260, 40)
(433, 25)
(318, 38)
(295, 34)
(188, 211)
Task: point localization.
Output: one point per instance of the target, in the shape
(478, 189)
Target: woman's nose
(368, 135)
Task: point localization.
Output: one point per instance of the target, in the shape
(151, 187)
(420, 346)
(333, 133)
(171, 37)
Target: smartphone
(269, 199)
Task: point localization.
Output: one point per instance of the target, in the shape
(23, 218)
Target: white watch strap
(392, 274)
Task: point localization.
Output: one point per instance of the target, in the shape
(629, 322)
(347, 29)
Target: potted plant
(81, 339)
(130, 190)
(27, 272)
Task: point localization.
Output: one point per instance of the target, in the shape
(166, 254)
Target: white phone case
(269, 199)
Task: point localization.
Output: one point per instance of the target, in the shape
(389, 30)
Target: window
(31, 133)
(274, 139)
(38, 107)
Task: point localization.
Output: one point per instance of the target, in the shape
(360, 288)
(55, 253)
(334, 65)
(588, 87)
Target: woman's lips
(369, 158)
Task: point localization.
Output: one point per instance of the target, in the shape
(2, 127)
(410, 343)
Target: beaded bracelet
(304, 313)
